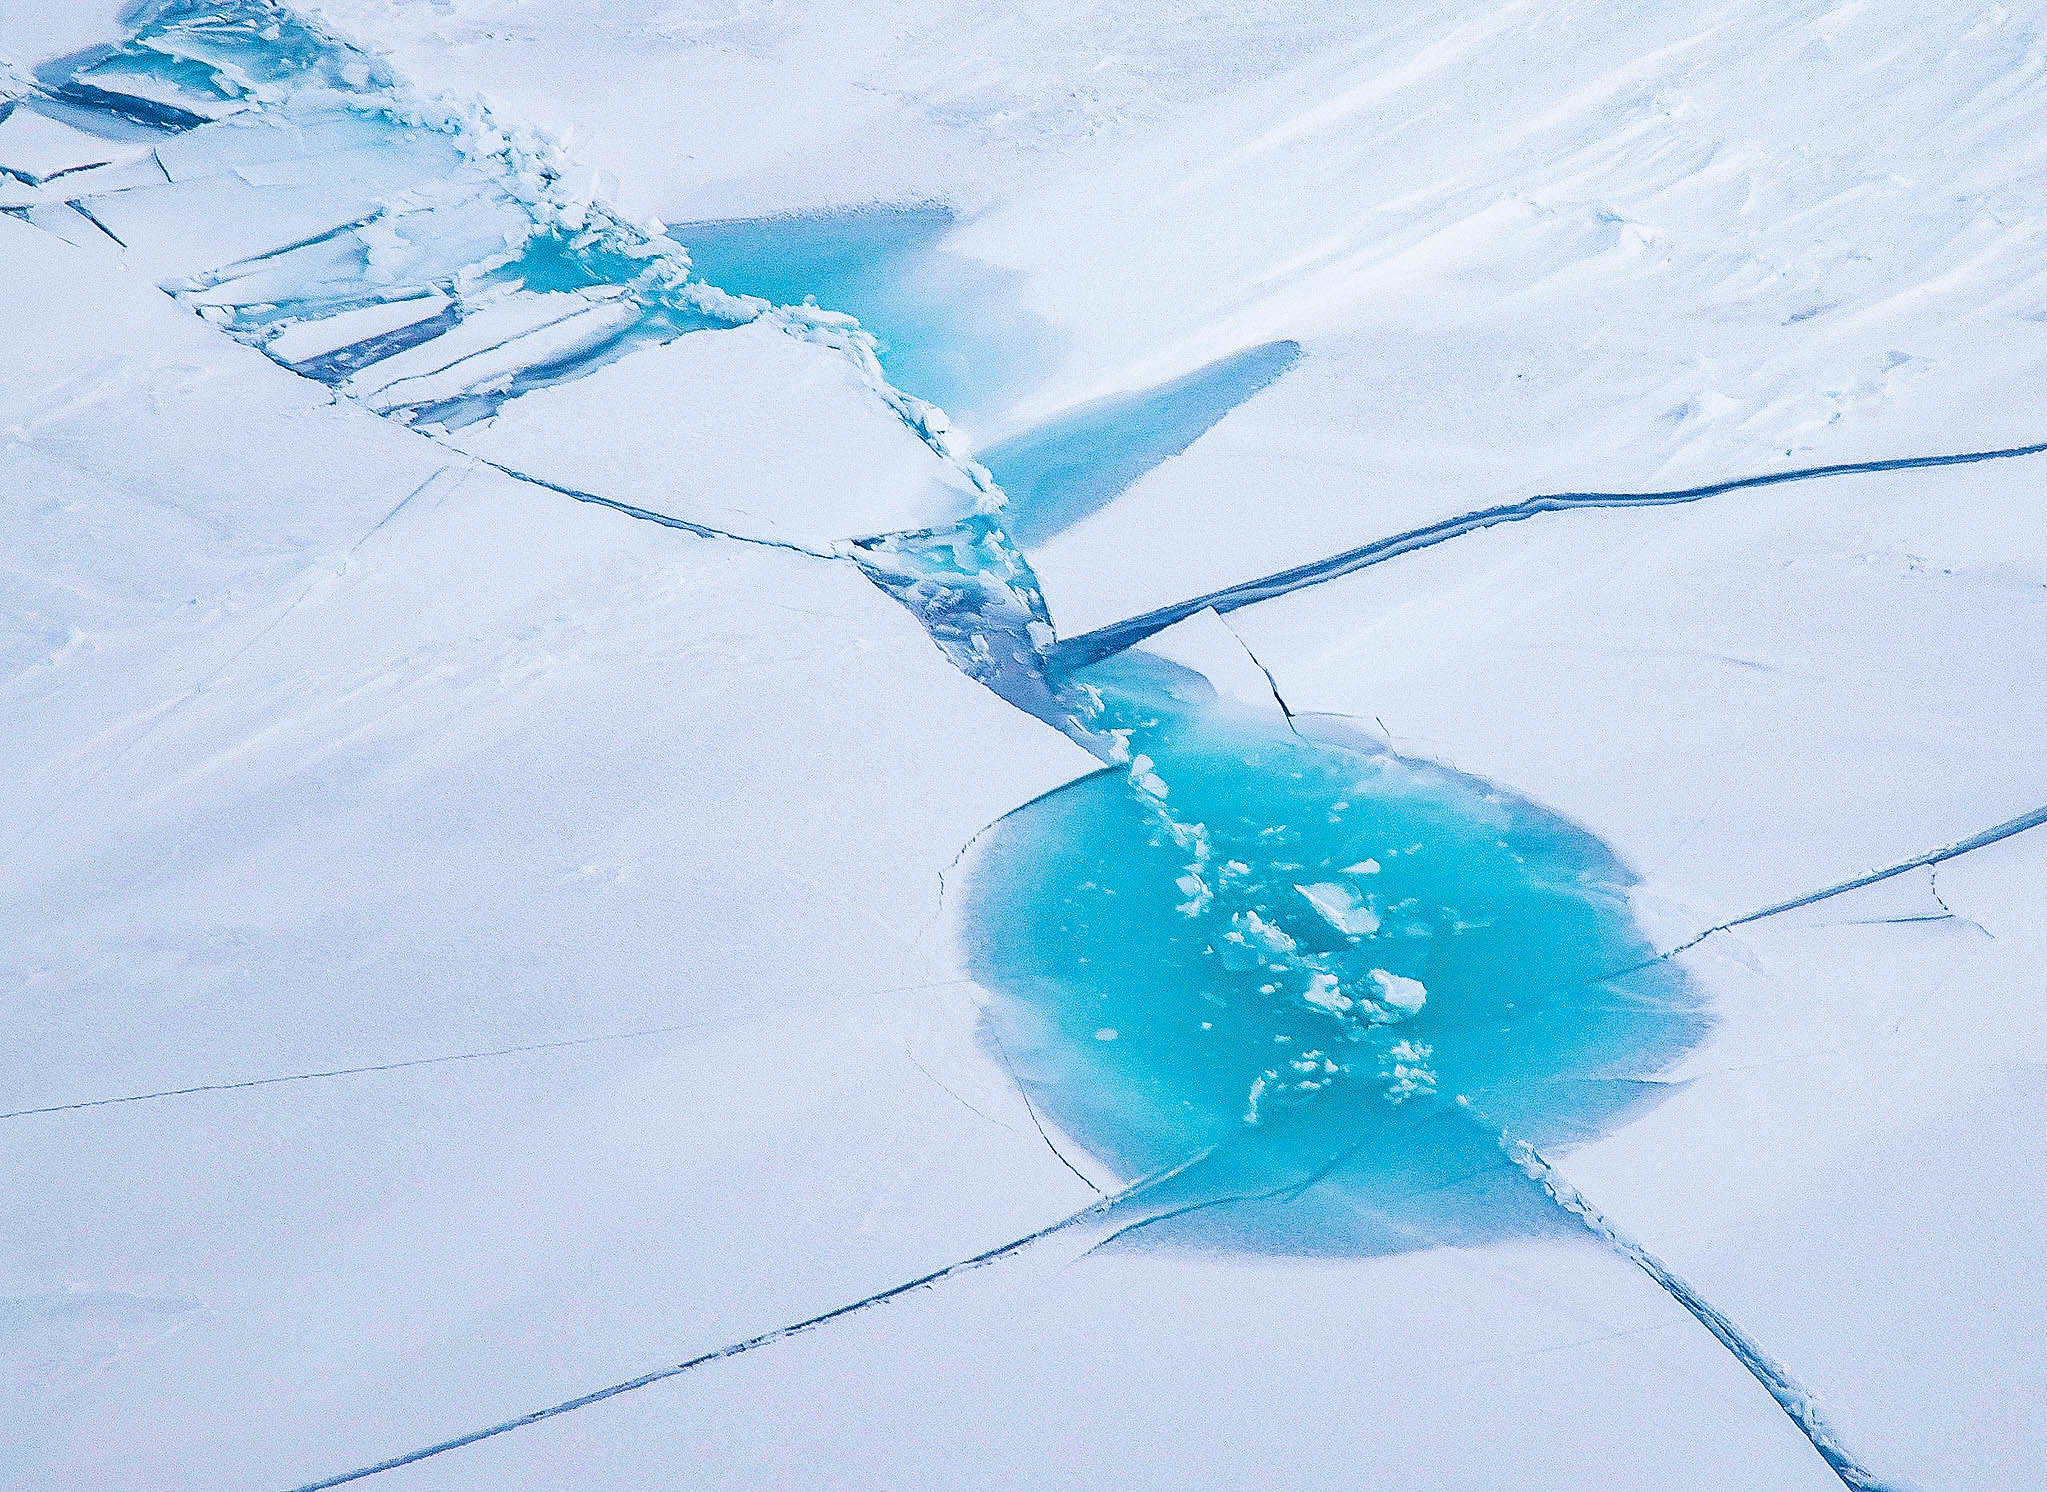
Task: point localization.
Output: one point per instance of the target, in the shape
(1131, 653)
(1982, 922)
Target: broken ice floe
(421, 255)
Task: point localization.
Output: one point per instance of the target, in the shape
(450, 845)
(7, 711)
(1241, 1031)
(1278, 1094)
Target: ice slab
(302, 341)
(490, 325)
(750, 430)
(1204, 644)
(492, 369)
(36, 147)
(179, 229)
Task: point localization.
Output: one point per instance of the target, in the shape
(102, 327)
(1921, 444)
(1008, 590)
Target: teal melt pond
(1348, 972)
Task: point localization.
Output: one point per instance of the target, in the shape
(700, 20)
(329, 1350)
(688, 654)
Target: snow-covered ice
(571, 849)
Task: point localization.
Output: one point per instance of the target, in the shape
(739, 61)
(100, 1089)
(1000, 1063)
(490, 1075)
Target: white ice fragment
(1145, 779)
(304, 340)
(1362, 868)
(1408, 1072)
(1107, 1033)
(36, 147)
(1324, 992)
(1262, 933)
(1398, 991)
(1341, 907)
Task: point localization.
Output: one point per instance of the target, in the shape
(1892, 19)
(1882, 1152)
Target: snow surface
(748, 430)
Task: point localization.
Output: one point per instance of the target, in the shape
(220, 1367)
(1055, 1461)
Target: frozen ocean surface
(503, 675)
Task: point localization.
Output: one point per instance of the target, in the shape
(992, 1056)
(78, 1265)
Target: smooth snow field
(764, 746)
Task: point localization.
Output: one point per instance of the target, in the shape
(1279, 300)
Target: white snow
(749, 430)
(315, 774)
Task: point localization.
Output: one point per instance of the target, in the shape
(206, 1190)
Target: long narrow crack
(349, 1072)
(666, 520)
(1798, 1405)
(1990, 836)
(986, 1257)
(1091, 647)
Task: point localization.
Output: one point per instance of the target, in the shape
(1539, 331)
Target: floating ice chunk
(1399, 992)
(1324, 992)
(1407, 1071)
(1362, 868)
(1342, 908)
(1146, 780)
(1263, 934)
(1107, 1033)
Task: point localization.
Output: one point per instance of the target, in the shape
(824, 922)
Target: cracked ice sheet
(1853, 1171)
(1526, 245)
(1460, 1370)
(751, 430)
(1749, 701)
(306, 783)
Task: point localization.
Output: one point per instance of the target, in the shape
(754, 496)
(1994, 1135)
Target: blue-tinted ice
(1071, 466)
(951, 327)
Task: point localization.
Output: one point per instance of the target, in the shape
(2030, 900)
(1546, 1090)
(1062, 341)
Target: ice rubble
(440, 265)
